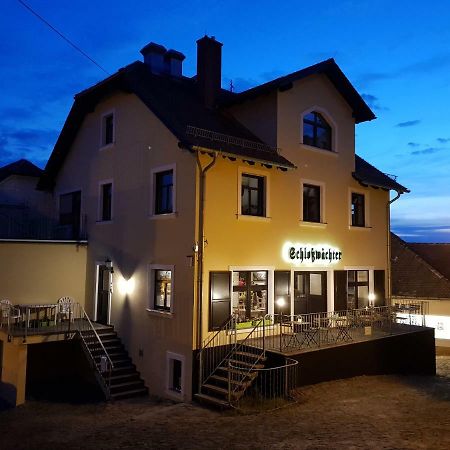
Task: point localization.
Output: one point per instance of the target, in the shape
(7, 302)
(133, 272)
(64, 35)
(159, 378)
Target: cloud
(408, 123)
(443, 140)
(373, 102)
(426, 151)
(413, 144)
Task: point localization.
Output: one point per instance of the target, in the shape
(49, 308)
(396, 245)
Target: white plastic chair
(65, 308)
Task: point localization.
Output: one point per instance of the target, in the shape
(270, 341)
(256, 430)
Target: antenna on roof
(231, 86)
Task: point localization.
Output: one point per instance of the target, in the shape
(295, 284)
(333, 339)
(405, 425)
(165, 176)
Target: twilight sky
(397, 55)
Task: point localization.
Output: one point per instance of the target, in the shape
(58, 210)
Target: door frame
(97, 271)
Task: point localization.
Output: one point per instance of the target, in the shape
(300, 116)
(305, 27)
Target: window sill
(160, 313)
(319, 150)
(304, 223)
(172, 215)
(104, 222)
(253, 218)
(353, 227)
(107, 146)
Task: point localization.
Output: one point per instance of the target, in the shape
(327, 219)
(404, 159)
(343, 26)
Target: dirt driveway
(380, 412)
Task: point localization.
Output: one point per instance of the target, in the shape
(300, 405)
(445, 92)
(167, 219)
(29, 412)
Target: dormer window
(316, 131)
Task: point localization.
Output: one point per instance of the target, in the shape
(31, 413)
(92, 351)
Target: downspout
(201, 243)
(388, 216)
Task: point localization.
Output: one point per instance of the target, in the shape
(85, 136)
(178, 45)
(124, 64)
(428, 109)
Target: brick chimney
(209, 69)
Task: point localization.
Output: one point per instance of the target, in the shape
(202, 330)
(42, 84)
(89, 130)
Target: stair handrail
(228, 326)
(260, 325)
(110, 364)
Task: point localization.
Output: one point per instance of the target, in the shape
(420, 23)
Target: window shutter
(340, 290)
(220, 299)
(379, 287)
(282, 281)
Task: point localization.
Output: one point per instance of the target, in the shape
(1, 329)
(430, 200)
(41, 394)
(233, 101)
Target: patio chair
(8, 312)
(65, 309)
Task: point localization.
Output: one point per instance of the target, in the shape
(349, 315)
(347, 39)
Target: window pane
(252, 195)
(358, 213)
(308, 134)
(311, 203)
(363, 275)
(108, 129)
(163, 289)
(106, 201)
(323, 138)
(176, 375)
(315, 284)
(310, 116)
(164, 192)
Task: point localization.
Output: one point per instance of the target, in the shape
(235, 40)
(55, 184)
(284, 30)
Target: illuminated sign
(310, 255)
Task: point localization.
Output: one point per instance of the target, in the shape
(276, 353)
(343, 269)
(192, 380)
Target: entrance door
(103, 286)
(310, 292)
(250, 295)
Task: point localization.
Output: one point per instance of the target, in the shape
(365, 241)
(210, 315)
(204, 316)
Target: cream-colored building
(199, 203)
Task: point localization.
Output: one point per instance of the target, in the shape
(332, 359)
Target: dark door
(310, 292)
(103, 294)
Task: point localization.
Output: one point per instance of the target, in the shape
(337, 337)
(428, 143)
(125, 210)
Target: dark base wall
(408, 354)
(59, 371)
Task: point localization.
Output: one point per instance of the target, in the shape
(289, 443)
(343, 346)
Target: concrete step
(129, 394)
(212, 401)
(127, 386)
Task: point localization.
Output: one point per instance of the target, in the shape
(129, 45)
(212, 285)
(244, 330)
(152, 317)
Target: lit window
(311, 203)
(316, 131)
(105, 202)
(163, 289)
(253, 195)
(358, 210)
(164, 192)
(108, 129)
(357, 289)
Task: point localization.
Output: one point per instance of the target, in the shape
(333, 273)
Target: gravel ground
(379, 412)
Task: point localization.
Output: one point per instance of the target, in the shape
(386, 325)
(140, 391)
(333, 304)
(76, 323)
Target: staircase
(227, 368)
(123, 380)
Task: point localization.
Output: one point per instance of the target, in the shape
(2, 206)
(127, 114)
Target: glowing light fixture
(372, 297)
(126, 287)
(280, 302)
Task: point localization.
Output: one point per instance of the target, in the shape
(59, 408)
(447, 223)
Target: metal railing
(227, 139)
(25, 321)
(244, 359)
(215, 349)
(93, 345)
(288, 333)
(273, 388)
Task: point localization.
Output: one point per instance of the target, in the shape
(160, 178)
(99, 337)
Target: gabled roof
(21, 167)
(361, 110)
(175, 101)
(413, 276)
(369, 175)
(437, 255)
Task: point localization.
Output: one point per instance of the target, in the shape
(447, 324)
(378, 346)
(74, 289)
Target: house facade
(199, 203)
(421, 276)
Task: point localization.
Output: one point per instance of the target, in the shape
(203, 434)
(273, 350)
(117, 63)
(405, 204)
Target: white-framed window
(161, 288)
(359, 209)
(312, 202)
(108, 129)
(253, 193)
(105, 201)
(175, 375)
(163, 191)
(318, 130)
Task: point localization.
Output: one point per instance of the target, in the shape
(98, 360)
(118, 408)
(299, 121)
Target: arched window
(316, 131)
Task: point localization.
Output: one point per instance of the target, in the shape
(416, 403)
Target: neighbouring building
(421, 275)
(199, 203)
